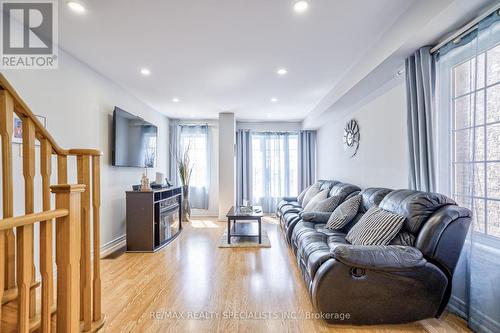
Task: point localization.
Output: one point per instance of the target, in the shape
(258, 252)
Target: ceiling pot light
(76, 6)
(175, 100)
(282, 71)
(300, 6)
(274, 99)
(145, 71)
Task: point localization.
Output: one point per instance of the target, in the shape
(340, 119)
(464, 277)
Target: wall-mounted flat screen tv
(134, 140)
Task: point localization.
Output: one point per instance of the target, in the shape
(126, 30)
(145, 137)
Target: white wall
(78, 103)
(227, 175)
(382, 156)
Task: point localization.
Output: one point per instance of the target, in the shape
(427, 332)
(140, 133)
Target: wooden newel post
(68, 257)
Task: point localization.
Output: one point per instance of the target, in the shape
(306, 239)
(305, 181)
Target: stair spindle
(83, 172)
(46, 253)
(6, 131)
(96, 203)
(25, 271)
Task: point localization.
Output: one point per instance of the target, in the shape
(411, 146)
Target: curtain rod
(471, 26)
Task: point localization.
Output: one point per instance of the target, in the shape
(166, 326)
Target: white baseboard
(112, 246)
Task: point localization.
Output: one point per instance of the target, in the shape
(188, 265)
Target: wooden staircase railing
(77, 305)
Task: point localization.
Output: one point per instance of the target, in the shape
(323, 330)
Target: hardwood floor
(162, 292)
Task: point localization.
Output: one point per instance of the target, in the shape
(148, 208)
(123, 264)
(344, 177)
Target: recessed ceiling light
(300, 6)
(145, 71)
(192, 116)
(282, 71)
(76, 6)
(268, 116)
(175, 100)
(274, 99)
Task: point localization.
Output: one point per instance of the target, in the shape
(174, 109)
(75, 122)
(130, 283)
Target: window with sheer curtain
(196, 138)
(476, 117)
(274, 168)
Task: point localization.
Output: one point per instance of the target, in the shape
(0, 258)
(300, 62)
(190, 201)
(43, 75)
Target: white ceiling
(424, 23)
(222, 55)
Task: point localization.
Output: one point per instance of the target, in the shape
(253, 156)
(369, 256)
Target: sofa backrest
(372, 196)
(327, 184)
(438, 225)
(416, 206)
(343, 190)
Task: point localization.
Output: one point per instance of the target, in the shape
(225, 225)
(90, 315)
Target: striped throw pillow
(344, 213)
(376, 227)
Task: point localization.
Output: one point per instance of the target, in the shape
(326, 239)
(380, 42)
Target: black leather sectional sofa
(406, 281)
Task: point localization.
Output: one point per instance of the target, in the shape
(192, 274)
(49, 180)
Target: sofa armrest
(380, 258)
(315, 217)
(289, 199)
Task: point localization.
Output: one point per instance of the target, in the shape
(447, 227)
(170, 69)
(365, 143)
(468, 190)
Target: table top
(235, 211)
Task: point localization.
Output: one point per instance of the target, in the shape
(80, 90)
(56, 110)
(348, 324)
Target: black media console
(153, 218)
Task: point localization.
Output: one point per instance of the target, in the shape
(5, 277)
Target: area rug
(238, 242)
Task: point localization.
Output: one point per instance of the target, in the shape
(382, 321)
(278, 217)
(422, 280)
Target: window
(476, 119)
(274, 167)
(196, 138)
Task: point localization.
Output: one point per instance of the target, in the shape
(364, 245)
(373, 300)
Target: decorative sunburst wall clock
(351, 137)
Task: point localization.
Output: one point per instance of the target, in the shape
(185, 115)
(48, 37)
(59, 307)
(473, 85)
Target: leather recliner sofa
(289, 209)
(405, 281)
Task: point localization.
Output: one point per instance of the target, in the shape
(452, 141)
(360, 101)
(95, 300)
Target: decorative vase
(186, 208)
(145, 183)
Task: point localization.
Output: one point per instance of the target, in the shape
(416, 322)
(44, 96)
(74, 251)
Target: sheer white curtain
(274, 168)
(468, 101)
(197, 138)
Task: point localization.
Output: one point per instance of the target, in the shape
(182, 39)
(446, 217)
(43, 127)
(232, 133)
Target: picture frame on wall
(17, 135)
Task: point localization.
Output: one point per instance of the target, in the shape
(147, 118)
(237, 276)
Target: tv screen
(134, 140)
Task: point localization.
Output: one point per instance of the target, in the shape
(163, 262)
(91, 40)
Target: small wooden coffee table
(237, 214)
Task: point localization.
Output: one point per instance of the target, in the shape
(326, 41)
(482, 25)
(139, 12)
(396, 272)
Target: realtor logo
(29, 34)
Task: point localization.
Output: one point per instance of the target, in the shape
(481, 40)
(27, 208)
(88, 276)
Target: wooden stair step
(10, 295)
(9, 320)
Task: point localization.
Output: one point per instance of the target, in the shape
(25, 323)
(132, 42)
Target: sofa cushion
(404, 238)
(376, 227)
(301, 229)
(302, 194)
(284, 204)
(320, 249)
(311, 192)
(316, 217)
(327, 205)
(288, 218)
(311, 205)
(344, 213)
(287, 209)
